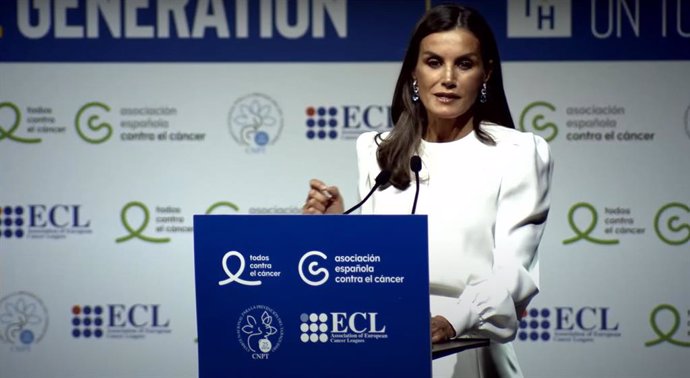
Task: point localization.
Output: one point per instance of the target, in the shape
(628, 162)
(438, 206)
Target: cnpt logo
(532, 119)
(260, 331)
(567, 324)
(43, 221)
(347, 121)
(118, 321)
(539, 18)
(672, 223)
(89, 125)
(10, 120)
(666, 321)
(23, 320)
(255, 121)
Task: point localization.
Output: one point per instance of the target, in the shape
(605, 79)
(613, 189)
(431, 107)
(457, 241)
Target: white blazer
(487, 207)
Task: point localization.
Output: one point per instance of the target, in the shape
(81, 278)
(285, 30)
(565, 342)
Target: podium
(313, 296)
(456, 346)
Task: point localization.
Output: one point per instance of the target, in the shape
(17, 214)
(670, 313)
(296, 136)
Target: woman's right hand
(323, 199)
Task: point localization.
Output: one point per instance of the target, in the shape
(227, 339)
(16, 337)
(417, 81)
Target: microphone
(415, 166)
(381, 179)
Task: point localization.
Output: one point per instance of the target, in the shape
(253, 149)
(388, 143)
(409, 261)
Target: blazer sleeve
(490, 307)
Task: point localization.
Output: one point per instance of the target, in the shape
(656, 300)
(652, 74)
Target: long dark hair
(409, 117)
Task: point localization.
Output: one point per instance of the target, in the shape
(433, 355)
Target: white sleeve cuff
(485, 310)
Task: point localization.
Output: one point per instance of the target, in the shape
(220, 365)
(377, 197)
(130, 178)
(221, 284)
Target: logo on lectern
(342, 327)
(260, 331)
(311, 273)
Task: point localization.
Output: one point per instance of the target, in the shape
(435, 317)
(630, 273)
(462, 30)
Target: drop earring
(415, 91)
(482, 94)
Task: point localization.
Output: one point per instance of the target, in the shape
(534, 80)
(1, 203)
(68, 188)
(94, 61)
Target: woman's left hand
(441, 329)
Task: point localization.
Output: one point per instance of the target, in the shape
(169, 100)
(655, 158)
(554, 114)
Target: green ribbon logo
(579, 234)
(665, 336)
(220, 204)
(537, 122)
(91, 123)
(15, 125)
(138, 232)
(672, 224)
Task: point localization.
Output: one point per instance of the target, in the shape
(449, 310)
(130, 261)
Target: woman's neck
(447, 130)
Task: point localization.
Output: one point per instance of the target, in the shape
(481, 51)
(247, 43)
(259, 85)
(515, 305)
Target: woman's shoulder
(370, 140)
(516, 145)
(507, 136)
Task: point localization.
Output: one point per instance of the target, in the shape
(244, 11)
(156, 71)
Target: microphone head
(415, 163)
(383, 177)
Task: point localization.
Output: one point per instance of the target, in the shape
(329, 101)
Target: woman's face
(449, 73)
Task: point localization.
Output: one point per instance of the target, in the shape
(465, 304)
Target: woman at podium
(454, 154)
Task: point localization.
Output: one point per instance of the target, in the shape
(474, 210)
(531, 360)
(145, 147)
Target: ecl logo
(347, 121)
(371, 117)
(358, 322)
(58, 216)
(586, 318)
(138, 315)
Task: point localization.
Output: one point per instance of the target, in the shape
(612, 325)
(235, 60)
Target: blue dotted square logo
(322, 122)
(12, 222)
(535, 325)
(314, 328)
(87, 322)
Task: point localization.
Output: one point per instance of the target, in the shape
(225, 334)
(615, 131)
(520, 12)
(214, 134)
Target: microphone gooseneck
(380, 179)
(415, 166)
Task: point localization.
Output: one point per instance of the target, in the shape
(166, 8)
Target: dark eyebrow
(431, 54)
